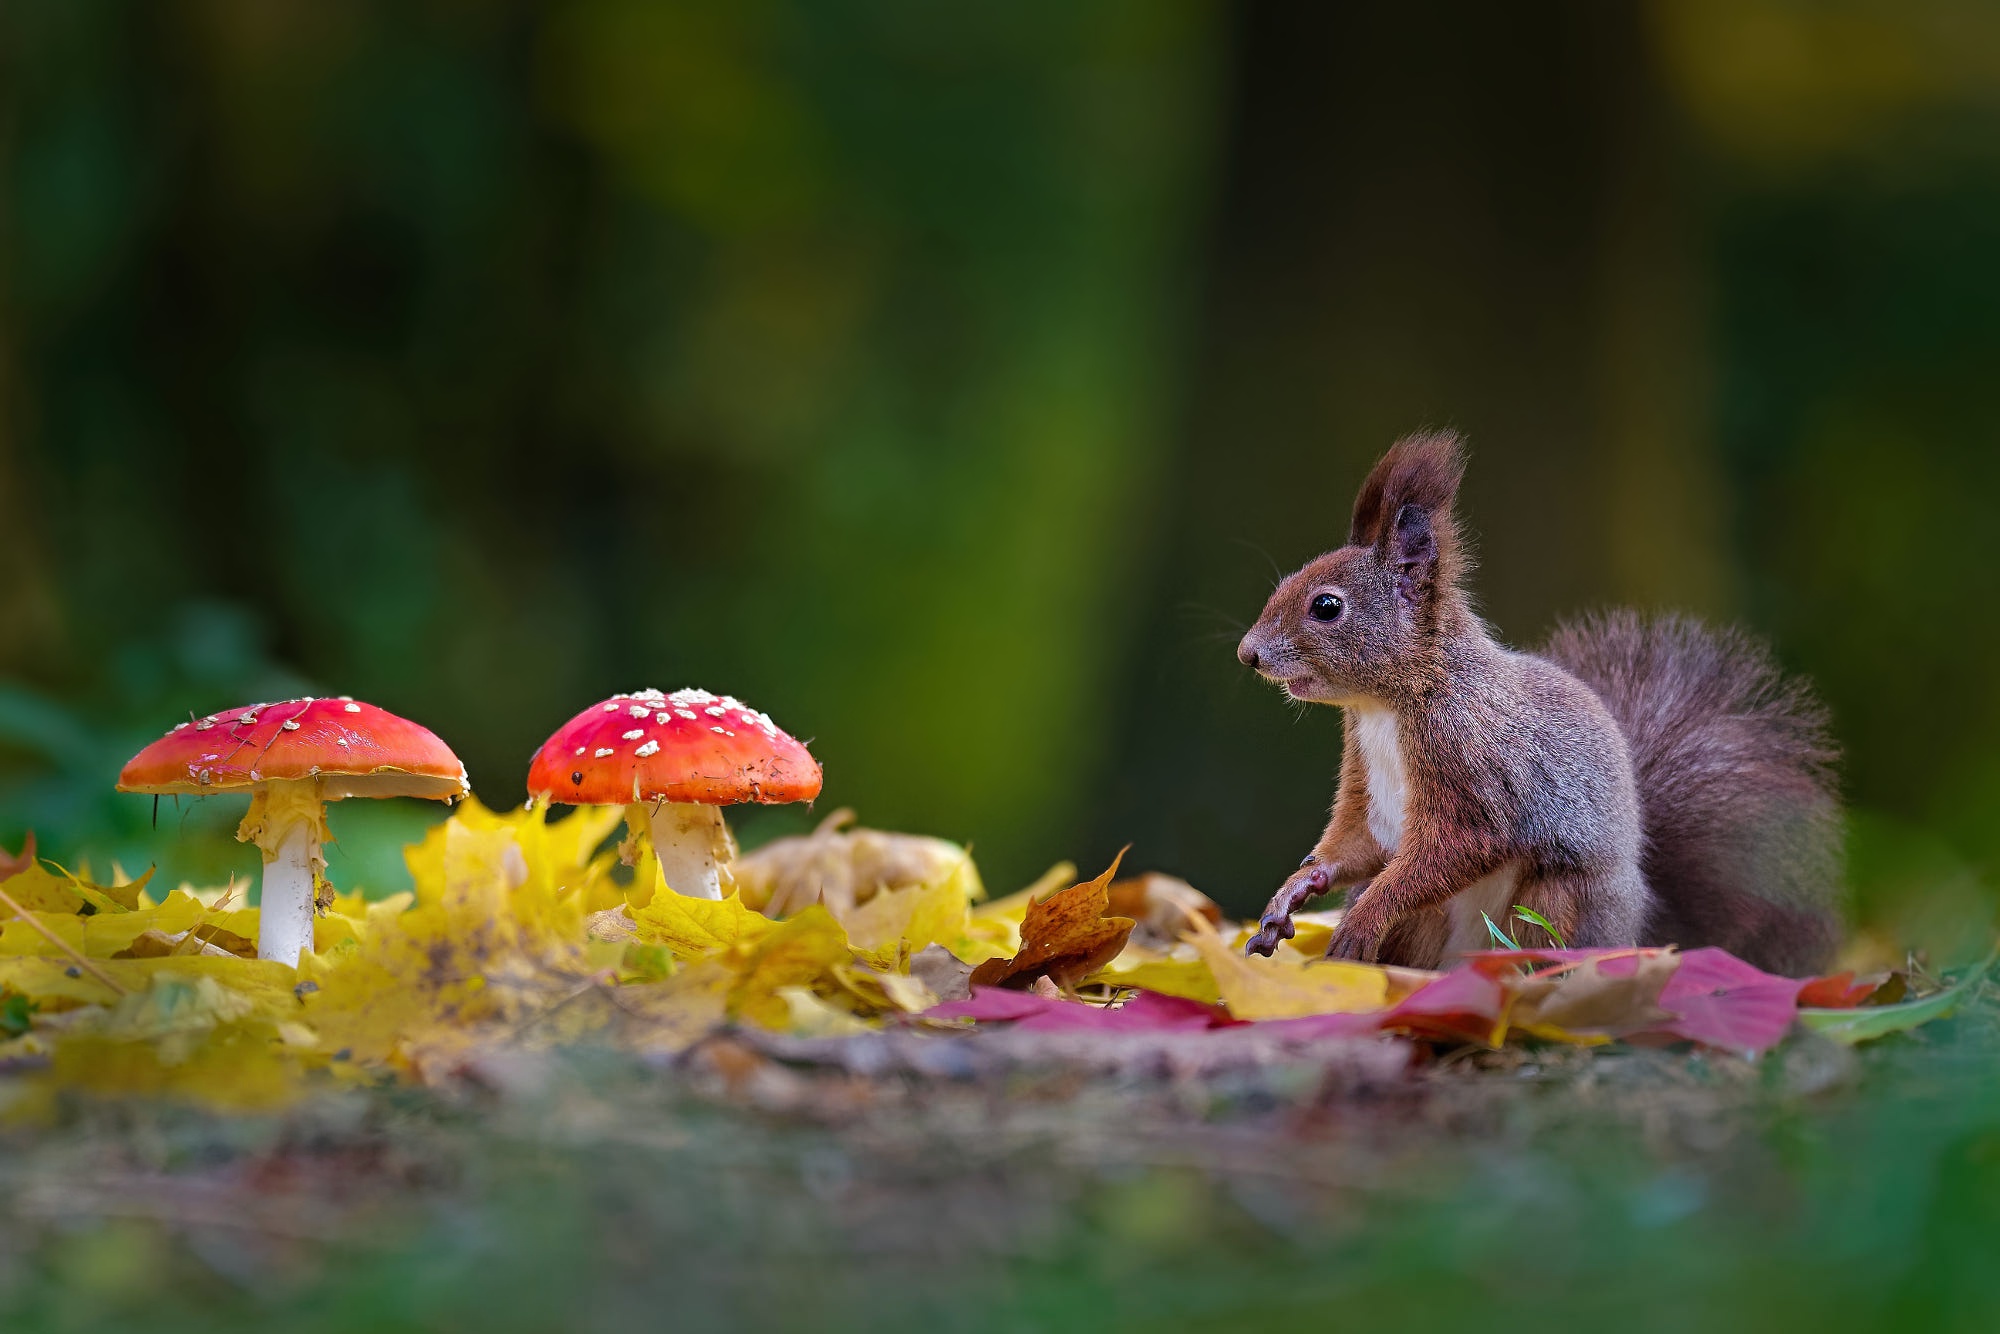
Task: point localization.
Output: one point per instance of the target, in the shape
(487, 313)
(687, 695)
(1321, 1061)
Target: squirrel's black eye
(1325, 607)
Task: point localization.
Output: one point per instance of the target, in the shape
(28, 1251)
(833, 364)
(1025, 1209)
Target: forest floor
(1002, 1181)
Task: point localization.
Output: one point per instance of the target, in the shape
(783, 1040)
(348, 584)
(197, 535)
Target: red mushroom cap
(687, 746)
(353, 749)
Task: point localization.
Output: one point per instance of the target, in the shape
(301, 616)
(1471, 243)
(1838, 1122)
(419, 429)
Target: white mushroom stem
(287, 820)
(693, 846)
(285, 926)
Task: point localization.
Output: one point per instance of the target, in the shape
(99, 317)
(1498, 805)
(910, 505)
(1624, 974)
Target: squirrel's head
(1363, 622)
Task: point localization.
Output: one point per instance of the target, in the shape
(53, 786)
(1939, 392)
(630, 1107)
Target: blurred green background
(949, 381)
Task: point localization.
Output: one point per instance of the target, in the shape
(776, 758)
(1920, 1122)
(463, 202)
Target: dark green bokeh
(940, 380)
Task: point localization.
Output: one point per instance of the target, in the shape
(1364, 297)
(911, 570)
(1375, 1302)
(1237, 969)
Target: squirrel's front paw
(1276, 924)
(1272, 929)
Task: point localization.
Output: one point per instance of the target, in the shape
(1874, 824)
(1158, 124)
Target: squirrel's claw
(1276, 924)
(1272, 929)
(1351, 948)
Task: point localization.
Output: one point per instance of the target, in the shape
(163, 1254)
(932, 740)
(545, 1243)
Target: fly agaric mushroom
(673, 761)
(293, 757)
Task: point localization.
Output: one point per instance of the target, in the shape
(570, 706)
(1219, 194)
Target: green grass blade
(1500, 938)
(1531, 916)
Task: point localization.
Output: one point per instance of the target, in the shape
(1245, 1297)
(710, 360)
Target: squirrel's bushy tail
(1735, 774)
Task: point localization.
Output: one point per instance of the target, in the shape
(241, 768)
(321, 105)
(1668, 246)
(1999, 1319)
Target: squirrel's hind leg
(1417, 940)
(1588, 911)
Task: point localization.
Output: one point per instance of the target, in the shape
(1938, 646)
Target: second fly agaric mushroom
(673, 761)
(293, 757)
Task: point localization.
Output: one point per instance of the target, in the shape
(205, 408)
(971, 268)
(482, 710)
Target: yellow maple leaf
(813, 1017)
(38, 889)
(20, 936)
(1188, 978)
(494, 936)
(799, 951)
(691, 926)
(54, 983)
(893, 924)
(1254, 987)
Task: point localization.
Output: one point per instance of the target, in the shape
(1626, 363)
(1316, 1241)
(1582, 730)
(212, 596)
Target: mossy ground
(819, 1187)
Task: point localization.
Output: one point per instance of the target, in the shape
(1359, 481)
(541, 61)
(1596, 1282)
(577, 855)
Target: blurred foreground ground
(1185, 1182)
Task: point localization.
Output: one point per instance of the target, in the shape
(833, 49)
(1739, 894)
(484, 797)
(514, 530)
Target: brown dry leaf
(845, 868)
(612, 925)
(1584, 1002)
(995, 929)
(1162, 905)
(942, 973)
(13, 863)
(154, 943)
(1066, 937)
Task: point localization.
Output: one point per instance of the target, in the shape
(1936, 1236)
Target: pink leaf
(1146, 1012)
(1723, 1002)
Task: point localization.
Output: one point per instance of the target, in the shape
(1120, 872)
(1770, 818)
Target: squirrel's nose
(1246, 653)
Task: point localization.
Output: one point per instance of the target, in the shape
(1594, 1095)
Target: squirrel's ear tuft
(1423, 470)
(1412, 549)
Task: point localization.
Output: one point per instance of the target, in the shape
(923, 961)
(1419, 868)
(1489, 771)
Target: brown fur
(1735, 772)
(1640, 783)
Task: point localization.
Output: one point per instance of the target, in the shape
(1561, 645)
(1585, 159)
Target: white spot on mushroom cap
(340, 741)
(343, 698)
(660, 717)
(635, 734)
(602, 751)
(352, 708)
(291, 724)
(639, 710)
(579, 750)
(204, 724)
(686, 713)
(724, 731)
(650, 748)
(612, 707)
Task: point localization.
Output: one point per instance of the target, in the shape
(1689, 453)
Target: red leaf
(1841, 991)
(1461, 1006)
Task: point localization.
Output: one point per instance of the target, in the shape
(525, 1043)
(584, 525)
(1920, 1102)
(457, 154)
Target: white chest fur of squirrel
(1637, 782)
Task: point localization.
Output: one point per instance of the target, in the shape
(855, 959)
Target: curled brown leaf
(1066, 937)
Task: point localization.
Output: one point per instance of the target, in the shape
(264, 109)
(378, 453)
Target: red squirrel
(1636, 783)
